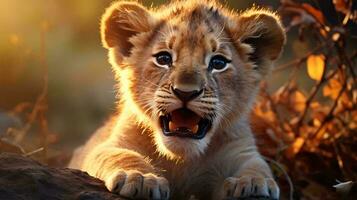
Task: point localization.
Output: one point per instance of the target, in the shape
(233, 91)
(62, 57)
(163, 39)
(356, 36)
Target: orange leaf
(341, 6)
(295, 147)
(332, 89)
(315, 66)
(315, 105)
(297, 101)
(317, 14)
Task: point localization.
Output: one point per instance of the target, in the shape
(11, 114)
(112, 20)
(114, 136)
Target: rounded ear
(263, 32)
(121, 21)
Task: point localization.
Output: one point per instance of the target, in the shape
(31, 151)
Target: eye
(163, 59)
(218, 63)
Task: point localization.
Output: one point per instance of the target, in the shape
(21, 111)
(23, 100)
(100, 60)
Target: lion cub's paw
(133, 184)
(247, 186)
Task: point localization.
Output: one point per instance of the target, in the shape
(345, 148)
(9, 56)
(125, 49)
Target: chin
(177, 148)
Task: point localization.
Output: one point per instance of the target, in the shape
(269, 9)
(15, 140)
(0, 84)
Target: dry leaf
(341, 6)
(297, 101)
(332, 89)
(317, 14)
(295, 147)
(296, 15)
(319, 135)
(264, 111)
(315, 66)
(315, 105)
(323, 32)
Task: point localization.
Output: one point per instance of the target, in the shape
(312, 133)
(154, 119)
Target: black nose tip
(186, 96)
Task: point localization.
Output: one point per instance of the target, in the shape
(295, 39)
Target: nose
(186, 96)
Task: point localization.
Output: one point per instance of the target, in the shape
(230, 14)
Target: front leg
(126, 172)
(247, 174)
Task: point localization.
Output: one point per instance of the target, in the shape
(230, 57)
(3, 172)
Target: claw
(246, 187)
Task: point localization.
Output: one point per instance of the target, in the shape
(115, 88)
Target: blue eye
(163, 59)
(218, 63)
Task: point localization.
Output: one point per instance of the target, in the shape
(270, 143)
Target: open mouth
(184, 123)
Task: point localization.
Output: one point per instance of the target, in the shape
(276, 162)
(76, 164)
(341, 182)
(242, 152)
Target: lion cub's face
(194, 68)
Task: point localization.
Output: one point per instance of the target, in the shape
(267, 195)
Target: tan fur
(130, 153)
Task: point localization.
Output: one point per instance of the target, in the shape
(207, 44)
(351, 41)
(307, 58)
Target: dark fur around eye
(218, 62)
(163, 58)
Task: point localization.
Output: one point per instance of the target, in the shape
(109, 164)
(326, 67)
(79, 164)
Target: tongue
(184, 119)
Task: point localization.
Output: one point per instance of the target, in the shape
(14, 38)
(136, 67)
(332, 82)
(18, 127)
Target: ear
(263, 32)
(121, 21)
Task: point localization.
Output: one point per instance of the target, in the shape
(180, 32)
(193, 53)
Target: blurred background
(57, 88)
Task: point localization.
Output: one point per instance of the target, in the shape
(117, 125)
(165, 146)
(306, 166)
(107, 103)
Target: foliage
(314, 132)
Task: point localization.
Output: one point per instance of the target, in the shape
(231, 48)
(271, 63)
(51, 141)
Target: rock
(24, 179)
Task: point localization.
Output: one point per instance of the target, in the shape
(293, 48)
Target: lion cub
(188, 73)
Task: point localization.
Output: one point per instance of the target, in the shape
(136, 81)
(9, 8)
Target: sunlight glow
(129, 107)
(126, 78)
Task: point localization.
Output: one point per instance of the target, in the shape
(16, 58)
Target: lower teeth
(195, 129)
(173, 127)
